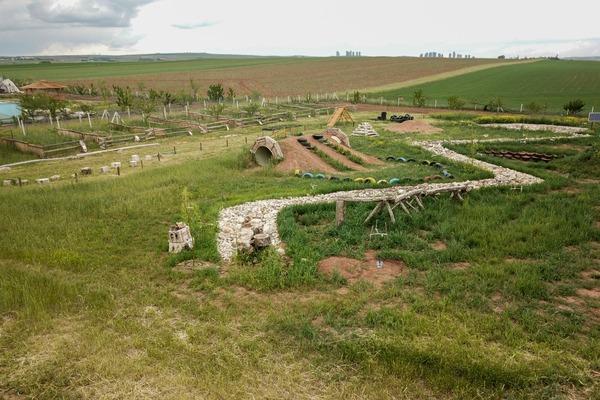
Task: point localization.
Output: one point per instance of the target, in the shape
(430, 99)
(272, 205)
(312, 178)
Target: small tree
(356, 96)
(574, 106)
(419, 98)
(230, 94)
(534, 108)
(85, 107)
(166, 98)
(215, 92)
(216, 110)
(455, 102)
(195, 88)
(255, 95)
(124, 97)
(146, 106)
(252, 108)
(495, 104)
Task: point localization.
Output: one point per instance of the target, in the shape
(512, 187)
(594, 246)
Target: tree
(574, 106)
(195, 88)
(419, 98)
(124, 97)
(85, 107)
(534, 107)
(215, 92)
(230, 94)
(252, 108)
(355, 97)
(166, 98)
(145, 105)
(41, 101)
(216, 110)
(495, 104)
(455, 102)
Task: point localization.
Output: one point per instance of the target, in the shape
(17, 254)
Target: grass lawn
(553, 82)
(91, 306)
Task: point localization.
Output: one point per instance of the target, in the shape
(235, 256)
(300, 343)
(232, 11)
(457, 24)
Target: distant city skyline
(266, 27)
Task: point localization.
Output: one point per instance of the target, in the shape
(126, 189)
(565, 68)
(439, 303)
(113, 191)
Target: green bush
(574, 106)
(419, 98)
(455, 102)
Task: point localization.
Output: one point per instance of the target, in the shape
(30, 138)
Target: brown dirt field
(297, 157)
(335, 155)
(299, 77)
(416, 125)
(354, 270)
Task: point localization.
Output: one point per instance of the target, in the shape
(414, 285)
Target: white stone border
(236, 223)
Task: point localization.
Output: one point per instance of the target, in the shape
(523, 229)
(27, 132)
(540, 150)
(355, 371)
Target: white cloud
(312, 27)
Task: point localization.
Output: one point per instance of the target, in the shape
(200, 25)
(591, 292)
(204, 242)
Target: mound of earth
(414, 126)
(295, 156)
(354, 270)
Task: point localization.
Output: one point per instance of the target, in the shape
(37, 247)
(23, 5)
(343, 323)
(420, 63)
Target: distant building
(48, 87)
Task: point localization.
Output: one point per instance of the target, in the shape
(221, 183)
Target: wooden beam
(374, 212)
(390, 212)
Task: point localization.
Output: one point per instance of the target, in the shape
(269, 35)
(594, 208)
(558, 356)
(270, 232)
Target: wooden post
(158, 155)
(340, 212)
(142, 163)
(390, 212)
(118, 171)
(200, 146)
(174, 150)
(226, 142)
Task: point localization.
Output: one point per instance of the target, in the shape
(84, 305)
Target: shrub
(355, 97)
(124, 97)
(495, 104)
(455, 102)
(419, 98)
(215, 92)
(574, 106)
(534, 107)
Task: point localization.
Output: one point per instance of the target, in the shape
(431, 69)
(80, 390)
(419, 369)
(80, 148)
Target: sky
(308, 27)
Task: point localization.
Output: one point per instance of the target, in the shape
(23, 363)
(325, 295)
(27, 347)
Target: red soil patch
(354, 270)
(295, 156)
(335, 155)
(416, 125)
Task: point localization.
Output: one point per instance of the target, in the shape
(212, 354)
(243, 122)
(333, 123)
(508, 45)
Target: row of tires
(444, 172)
(369, 180)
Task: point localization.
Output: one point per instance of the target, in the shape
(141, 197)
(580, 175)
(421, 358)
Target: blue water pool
(9, 110)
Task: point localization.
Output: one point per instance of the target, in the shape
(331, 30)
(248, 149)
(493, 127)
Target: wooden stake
(340, 212)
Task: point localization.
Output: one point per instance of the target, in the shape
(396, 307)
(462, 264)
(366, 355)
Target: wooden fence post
(340, 212)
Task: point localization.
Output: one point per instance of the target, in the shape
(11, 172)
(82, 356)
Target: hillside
(550, 83)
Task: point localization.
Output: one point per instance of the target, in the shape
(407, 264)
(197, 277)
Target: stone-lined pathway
(237, 224)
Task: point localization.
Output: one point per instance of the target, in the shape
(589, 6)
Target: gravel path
(237, 224)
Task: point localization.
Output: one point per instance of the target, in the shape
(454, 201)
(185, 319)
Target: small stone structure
(265, 150)
(180, 238)
(365, 129)
(339, 135)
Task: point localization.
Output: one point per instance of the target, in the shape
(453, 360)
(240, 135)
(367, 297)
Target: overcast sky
(308, 27)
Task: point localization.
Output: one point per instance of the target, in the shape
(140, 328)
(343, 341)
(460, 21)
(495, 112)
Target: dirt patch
(414, 126)
(590, 274)
(335, 155)
(439, 245)
(354, 270)
(590, 293)
(460, 266)
(190, 266)
(498, 303)
(295, 156)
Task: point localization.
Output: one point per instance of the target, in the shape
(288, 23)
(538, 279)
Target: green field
(89, 70)
(91, 305)
(550, 83)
